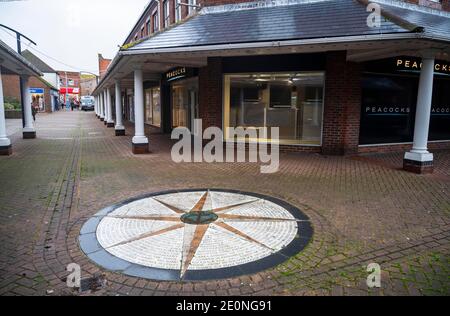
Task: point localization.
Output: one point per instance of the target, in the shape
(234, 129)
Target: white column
(105, 107)
(28, 131)
(97, 100)
(4, 140)
(110, 120)
(102, 112)
(139, 132)
(419, 152)
(118, 95)
(96, 105)
(105, 104)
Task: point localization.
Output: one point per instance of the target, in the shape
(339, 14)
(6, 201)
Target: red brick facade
(103, 64)
(210, 93)
(11, 88)
(206, 3)
(342, 105)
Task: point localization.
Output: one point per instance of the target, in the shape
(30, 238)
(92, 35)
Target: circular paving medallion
(195, 234)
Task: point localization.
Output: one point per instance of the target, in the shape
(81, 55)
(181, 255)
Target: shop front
(182, 97)
(389, 98)
(152, 104)
(38, 98)
(69, 93)
(284, 91)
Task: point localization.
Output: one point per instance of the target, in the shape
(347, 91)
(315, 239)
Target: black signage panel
(180, 73)
(388, 109)
(406, 64)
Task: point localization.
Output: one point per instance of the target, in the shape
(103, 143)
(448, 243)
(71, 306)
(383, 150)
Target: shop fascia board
(442, 52)
(152, 66)
(396, 49)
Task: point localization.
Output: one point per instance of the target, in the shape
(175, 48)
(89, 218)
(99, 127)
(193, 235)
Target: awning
(64, 90)
(13, 63)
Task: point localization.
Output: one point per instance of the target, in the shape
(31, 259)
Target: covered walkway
(362, 209)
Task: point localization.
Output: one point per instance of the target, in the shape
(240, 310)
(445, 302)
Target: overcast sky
(72, 32)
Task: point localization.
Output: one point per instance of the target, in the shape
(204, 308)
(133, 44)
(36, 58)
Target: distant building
(103, 64)
(87, 84)
(44, 90)
(69, 85)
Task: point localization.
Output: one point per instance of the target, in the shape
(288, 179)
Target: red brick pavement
(364, 209)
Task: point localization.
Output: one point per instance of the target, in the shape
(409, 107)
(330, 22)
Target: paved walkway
(363, 209)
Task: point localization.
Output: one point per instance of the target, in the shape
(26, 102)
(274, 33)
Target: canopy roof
(13, 63)
(287, 26)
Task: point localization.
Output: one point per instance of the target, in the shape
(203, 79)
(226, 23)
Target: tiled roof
(41, 65)
(293, 20)
(434, 23)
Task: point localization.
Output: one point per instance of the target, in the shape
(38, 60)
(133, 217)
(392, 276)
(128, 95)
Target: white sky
(71, 31)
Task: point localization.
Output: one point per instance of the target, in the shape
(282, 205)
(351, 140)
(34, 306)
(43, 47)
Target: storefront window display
(130, 97)
(389, 97)
(37, 98)
(293, 102)
(153, 106)
(184, 102)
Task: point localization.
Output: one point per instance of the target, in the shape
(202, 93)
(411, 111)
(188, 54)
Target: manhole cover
(195, 234)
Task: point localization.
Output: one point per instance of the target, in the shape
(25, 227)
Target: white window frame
(191, 5)
(177, 11)
(155, 22)
(166, 13)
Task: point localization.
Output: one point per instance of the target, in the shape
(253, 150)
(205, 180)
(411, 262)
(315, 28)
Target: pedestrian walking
(72, 104)
(34, 110)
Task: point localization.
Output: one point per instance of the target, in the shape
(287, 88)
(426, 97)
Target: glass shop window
(293, 102)
(153, 106)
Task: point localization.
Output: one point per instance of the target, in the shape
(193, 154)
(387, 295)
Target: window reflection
(291, 101)
(152, 106)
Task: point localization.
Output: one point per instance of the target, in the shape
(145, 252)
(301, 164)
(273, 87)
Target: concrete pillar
(96, 105)
(105, 106)
(5, 143)
(140, 141)
(102, 112)
(418, 159)
(110, 121)
(28, 131)
(119, 128)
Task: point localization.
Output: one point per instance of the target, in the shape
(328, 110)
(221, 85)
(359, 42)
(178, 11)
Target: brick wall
(210, 93)
(11, 88)
(342, 105)
(205, 3)
(444, 4)
(103, 64)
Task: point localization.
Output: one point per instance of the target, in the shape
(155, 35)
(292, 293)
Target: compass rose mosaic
(195, 234)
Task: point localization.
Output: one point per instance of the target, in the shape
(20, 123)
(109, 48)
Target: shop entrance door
(184, 103)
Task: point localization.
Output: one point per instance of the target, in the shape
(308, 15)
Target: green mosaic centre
(199, 217)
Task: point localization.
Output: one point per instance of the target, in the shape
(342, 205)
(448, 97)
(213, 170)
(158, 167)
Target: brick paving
(363, 209)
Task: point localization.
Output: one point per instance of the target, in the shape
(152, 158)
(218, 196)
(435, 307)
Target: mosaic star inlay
(200, 234)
